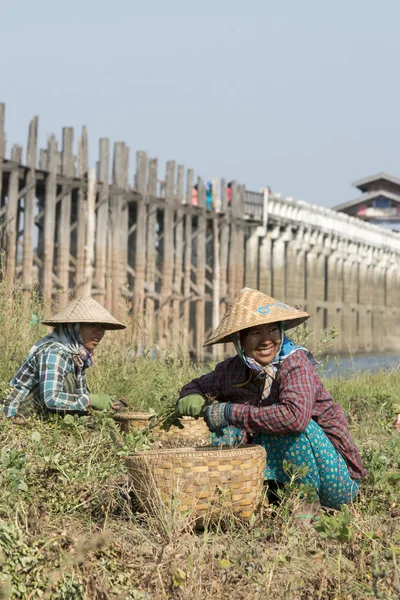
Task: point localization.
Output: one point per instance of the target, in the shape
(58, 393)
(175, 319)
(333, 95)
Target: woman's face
(92, 334)
(261, 342)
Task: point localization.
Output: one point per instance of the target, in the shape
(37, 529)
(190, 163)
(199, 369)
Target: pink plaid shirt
(297, 396)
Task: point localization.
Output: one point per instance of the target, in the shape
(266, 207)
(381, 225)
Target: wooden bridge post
(187, 267)
(89, 240)
(2, 144)
(178, 270)
(12, 213)
(81, 285)
(151, 249)
(167, 268)
(64, 224)
(119, 228)
(217, 349)
(29, 208)
(140, 247)
(49, 217)
(99, 288)
(200, 271)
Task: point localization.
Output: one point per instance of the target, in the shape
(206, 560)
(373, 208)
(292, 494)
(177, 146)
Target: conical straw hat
(251, 308)
(85, 310)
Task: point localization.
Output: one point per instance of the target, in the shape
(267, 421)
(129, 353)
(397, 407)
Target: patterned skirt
(327, 472)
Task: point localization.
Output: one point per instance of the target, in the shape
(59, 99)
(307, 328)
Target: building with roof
(379, 203)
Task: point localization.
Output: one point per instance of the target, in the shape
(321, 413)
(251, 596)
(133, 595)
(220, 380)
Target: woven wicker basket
(202, 481)
(194, 430)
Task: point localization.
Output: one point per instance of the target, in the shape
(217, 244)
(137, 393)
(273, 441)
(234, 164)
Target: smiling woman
(53, 375)
(271, 394)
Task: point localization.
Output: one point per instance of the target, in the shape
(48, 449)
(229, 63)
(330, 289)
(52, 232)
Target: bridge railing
(254, 205)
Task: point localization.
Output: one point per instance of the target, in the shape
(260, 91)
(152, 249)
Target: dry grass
(68, 528)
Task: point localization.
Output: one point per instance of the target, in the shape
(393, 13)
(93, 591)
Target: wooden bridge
(141, 248)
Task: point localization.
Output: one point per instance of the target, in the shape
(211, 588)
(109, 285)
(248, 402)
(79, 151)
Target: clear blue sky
(300, 95)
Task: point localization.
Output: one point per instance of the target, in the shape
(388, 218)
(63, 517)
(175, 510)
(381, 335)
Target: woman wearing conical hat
(271, 394)
(53, 374)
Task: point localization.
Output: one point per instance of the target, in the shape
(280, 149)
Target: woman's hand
(190, 406)
(216, 416)
(101, 402)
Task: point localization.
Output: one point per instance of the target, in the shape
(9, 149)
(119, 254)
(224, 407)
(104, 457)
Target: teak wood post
(89, 241)
(187, 267)
(81, 286)
(140, 250)
(224, 247)
(118, 228)
(29, 208)
(64, 224)
(240, 240)
(151, 249)
(233, 244)
(167, 268)
(178, 271)
(217, 349)
(11, 216)
(99, 287)
(200, 270)
(49, 217)
(2, 144)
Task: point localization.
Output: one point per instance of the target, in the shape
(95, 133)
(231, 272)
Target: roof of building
(366, 198)
(362, 184)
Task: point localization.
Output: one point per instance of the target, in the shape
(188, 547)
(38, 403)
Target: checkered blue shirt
(43, 374)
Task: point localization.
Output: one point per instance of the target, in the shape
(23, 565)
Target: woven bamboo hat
(251, 308)
(85, 310)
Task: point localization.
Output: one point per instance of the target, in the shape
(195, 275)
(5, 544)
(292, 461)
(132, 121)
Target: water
(362, 362)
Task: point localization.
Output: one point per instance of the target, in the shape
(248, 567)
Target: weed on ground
(69, 529)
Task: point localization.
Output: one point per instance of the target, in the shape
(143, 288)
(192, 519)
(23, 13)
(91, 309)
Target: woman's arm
(53, 369)
(206, 385)
(297, 394)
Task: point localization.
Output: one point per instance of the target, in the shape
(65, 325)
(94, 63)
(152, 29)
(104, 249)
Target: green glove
(101, 401)
(190, 406)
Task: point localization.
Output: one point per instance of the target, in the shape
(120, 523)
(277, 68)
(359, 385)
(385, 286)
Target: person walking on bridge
(271, 394)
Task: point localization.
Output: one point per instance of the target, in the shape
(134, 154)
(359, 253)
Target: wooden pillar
(265, 284)
(99, 291)
(178, 270)
(49, 217)
(29, 206)
(378, 304)
(334, 295)
(140, 249)
(279, 266)
(310, 265)
(81, 216)
(187, 266)
(151, 249)
(200, 271)
(119, 228)
(233, 245)
(64, 224)
(252, 260)
(2, 144)
(90, 233)
(294, 276)
(167, 268)
(217, 349)
(11, 217)
(240, 241)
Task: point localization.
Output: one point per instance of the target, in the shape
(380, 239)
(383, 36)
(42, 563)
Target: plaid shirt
(297, 396)
(44, 374)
